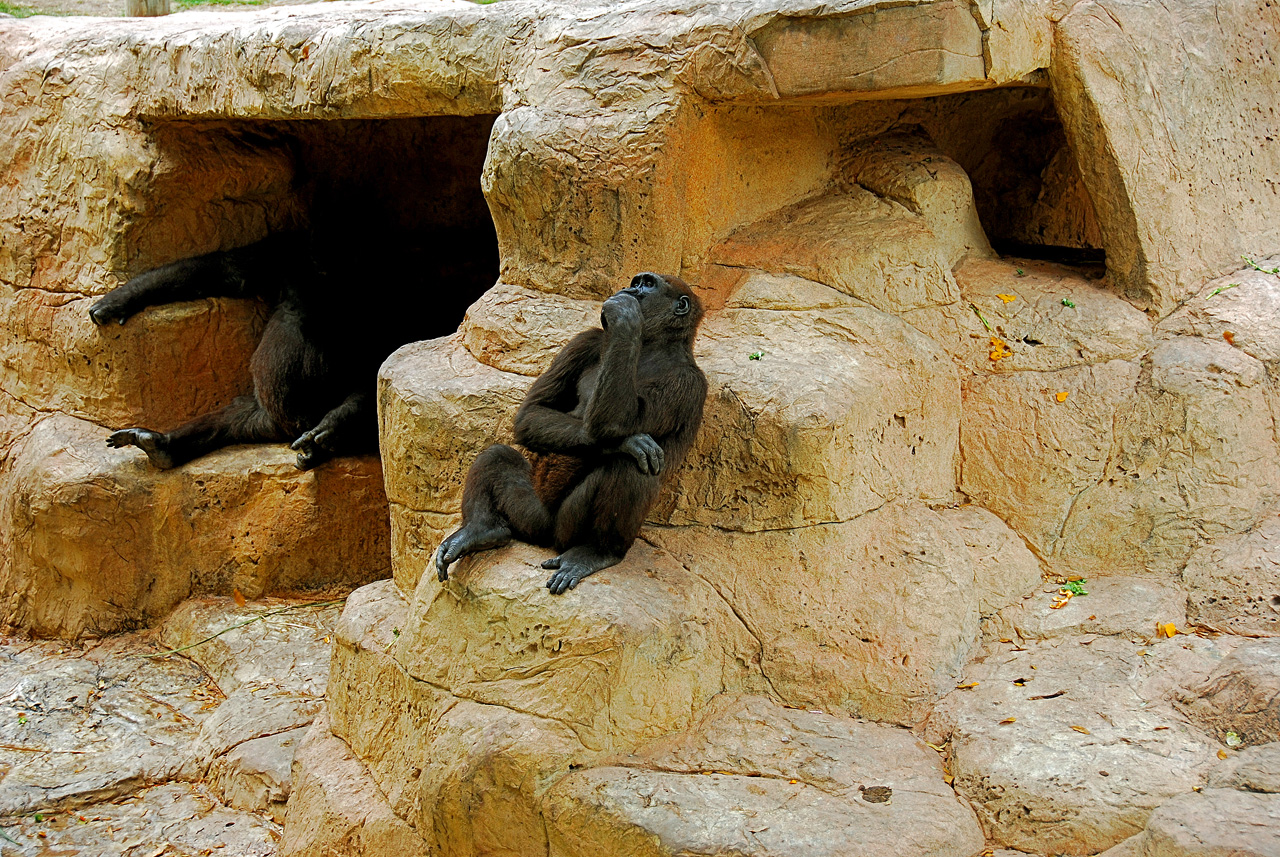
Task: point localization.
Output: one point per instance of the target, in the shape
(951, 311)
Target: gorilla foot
(472, 538)
(312, 448)
(150, 442)
(575, 564)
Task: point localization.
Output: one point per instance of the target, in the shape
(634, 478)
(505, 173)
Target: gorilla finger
(552, 563)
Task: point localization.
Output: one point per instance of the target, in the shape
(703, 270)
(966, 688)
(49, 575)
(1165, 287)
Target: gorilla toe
(150, 442)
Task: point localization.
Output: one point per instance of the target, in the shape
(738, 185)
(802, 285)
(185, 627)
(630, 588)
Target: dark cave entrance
(1027, 187)
(392, 208)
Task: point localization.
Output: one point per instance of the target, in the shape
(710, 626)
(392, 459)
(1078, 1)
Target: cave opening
(392, 210)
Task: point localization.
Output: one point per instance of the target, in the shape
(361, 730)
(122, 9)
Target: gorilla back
(615, 413)
(315, 369)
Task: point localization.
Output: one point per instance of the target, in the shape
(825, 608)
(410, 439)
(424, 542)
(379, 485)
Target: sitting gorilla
(315, 368)
(617, 409)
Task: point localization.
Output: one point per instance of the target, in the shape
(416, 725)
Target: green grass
(16, 11)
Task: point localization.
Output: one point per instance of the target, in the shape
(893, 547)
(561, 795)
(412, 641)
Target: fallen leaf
(1082, 730)
(1008, 720)
(948, 779)
(236, 594)
(1007, 298)
(1229, 337)
(1223, 754)
(1062, 397)
(970, 686)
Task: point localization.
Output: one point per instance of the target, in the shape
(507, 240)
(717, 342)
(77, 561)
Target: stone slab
(111, 543)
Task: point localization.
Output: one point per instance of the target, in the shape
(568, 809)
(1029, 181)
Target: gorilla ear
(682, 306)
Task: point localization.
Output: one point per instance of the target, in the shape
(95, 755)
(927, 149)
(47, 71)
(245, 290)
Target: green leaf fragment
(1069, 302)
(755, 355)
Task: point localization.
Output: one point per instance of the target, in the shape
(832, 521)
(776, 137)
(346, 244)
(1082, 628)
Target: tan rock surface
(438, 407)
(79, 726)
(1182, 177)
(756, 778)
(655, 645)
(875, 617)
(1213, 821)
(1133, 608)
(1043, 333)
(1233, 582)
(1241, 695)
(468, 776)
(1040, 784)
(823, 427)
(110, 543)
(1004, 569)
(336, 809)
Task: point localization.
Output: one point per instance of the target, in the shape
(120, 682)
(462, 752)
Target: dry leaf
(999, 350)
(1082, 730)
(1008, 720)
(1007, 298)
(970, 686)
(1223, 754)
(236, 594)
(1062, 397)
(1229, 337)
(948, 779)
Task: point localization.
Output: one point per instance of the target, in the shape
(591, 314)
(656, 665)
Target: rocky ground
(111, 747)
(116, 8)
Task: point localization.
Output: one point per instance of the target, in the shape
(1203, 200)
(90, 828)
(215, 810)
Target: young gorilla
(315, 369)
(617, 408)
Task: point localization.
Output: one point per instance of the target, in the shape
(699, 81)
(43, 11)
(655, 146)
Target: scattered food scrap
(755, 355)
(999, 350)
(1067, 302)
(1229, 337)
(1220, 289)
(1007, 298)
(1062, 397)
(876, 794)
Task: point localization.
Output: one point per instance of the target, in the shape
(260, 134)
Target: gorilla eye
(682, 306)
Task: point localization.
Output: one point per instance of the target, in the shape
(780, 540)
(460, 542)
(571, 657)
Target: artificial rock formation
(910, 425)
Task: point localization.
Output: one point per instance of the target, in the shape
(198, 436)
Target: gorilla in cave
(315, 368)
(614, 414)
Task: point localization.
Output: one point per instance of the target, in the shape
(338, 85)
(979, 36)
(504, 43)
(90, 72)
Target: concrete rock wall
(905, 431)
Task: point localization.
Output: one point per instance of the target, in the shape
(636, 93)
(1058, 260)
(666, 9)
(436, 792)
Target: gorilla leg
(242, 421)
(597, 523)
(345, 429)
(498, 503)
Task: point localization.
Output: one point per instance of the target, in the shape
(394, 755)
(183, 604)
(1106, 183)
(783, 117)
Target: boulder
(1252, 769)
(1171, 161)
(94, 724)
(174, 817)
(843, 410)
(438, 408)
(655, 645)
(1212, 822)
(336, 809)
(1004, 569)
(1027, 312)
(1233, 583)
(242, 518)
(1133, 608)
(256, 776)
(875, 617)
(755, 778)
(1241, 697)
(1118, 467)
(1067, 746)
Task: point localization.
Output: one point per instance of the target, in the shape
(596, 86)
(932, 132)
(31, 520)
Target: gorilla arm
(243, 272)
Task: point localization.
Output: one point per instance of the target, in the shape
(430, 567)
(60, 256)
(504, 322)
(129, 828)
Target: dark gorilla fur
(332, 324)
(616, 411)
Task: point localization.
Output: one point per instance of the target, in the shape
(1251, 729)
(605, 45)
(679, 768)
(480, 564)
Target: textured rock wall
(904, 430)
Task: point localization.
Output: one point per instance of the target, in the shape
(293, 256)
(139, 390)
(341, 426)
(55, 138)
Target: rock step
(756, 778)
(112, 544)
(80, 725)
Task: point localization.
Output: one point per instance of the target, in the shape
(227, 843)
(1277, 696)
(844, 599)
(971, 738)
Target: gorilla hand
(313, 447)
(621, 313)
(645, 450)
